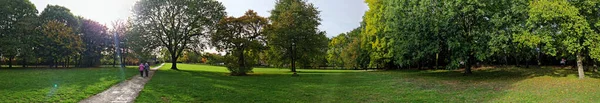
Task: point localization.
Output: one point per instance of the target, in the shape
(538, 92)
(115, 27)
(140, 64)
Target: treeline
(56, 38)
(289, 36)
(445, 34)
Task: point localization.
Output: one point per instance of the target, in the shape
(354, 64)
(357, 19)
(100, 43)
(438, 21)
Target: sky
(338, 16)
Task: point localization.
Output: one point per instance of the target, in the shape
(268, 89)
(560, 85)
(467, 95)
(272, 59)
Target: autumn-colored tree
(61, 42)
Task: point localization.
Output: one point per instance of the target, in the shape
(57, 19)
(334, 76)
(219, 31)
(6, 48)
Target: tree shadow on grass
(495, 83)
(501, 73)
(485, 85)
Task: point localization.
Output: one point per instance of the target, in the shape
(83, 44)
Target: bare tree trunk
(56, 63)
(122, 59)
(115, 61)
(24, 62)
(437, 57)
(68, 61)
(580, 65)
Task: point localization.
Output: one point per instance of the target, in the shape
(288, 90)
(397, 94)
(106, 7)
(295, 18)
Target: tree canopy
(17, 25)
(239, 37)
(294, 33)
(178, 24)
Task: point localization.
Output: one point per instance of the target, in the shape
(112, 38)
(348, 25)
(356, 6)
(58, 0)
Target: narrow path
(124, 92)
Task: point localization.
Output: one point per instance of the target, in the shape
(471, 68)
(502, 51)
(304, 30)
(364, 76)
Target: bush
(235, 67)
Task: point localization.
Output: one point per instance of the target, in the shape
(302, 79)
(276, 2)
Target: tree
(508, 22)
(178, 24)
(417, 32)
(96, 39)
(374, 39)
(336, 47)
(344, 50)
(294, 35)
(142, 47)
(559, 27)
(120, 40)
(60, 14)
(61, 42)
(238, 37)
(469, 42)
(16, 26)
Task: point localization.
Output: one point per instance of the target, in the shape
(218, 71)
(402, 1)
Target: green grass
(57, 85)
(202, 83)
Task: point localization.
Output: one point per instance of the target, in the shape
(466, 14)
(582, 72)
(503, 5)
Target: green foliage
(190, 57)
(345, 51)
(143, 46)
(17, 28)
(177, 24)
(336, 46)
(296, 22)
(562, 27)
(213, 59)
(60, 41)
(60, 14)
(375, 40)
(239, 67)
(240, 37)
(96, 40)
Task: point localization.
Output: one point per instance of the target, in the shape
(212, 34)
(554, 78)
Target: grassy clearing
(58, 85)
(202, 83)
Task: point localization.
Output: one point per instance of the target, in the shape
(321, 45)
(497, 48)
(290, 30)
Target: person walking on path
(142, 67)
(124, 92)
(146, 68)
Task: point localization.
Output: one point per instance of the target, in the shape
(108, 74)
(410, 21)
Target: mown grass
(202, 83)
(57, 85)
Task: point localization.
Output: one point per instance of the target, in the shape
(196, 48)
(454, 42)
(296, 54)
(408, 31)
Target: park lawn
(58, 85)
(203, 83)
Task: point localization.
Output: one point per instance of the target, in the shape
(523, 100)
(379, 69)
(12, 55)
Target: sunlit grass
(203, 83)
(57, 85)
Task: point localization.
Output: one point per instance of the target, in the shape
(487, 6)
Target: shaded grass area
(58, 85)
(203, 83)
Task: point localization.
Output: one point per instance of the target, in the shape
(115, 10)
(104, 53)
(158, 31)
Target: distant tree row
(184, 27)
(56, 37)
(450, 34)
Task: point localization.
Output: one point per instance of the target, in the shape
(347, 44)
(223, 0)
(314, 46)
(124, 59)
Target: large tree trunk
(10, 61)
(24, 62)
(242, 63)
(122, 62)
(174, 61)
(505, 59)
(55, 63)
(115, 61)
(437, 57)
(580, 65)
(470, 61)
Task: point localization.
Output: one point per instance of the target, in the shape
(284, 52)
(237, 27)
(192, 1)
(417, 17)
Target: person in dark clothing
(146, 68)
(563, 61)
